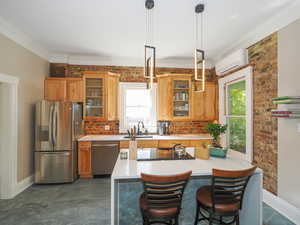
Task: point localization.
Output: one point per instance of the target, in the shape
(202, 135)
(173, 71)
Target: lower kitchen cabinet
(85, 159)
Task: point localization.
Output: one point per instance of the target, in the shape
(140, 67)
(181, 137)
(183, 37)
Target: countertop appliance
(57, 127)
(163, 127)
(154, 154)
(104, 157)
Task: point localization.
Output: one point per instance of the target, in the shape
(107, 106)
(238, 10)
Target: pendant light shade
(199, 54)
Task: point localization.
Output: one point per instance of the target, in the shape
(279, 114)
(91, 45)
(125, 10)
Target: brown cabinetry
(164, 98)
(205, 103)
(63, 89)
(177, 100)
(181, 97)
(85, 159)
(112, 96)
(101, 96)
(75, 90)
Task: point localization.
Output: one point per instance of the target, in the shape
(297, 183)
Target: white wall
(31, 70)
(288, 137)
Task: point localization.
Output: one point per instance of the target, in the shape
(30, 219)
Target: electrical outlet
(298, 127)
(106, 127)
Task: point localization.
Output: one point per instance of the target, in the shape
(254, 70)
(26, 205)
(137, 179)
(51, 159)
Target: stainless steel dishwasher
(104, 157)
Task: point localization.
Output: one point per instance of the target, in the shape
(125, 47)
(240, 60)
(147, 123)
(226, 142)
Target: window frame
(123, 86)
(243, 74)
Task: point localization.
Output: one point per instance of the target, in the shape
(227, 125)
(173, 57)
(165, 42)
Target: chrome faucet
(139, 132)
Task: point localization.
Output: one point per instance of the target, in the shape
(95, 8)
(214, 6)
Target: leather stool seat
(204, 197)
(156, 212)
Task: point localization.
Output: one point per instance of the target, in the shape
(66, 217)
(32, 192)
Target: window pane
(237, 98)
(237, 133)
(137, 113)
(138, 97)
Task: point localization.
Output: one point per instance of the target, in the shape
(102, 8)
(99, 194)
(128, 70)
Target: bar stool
(161, 200)
(224, 198)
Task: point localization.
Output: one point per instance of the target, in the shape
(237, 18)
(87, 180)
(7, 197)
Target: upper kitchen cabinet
(112, 96)
(63, 89)
(75, 90)
(177, 99)
(174, 97)
(164, 98)
(101, 96)
(181, 96)
(205, 103)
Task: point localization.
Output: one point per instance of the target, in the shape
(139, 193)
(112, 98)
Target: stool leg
(197, 214)
(176, 220)
(238, 220)
(210, 219)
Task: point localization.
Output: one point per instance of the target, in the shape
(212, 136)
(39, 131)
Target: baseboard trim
(23, 185)
(282, 206)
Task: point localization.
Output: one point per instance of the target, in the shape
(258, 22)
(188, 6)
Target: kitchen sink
(140, 136)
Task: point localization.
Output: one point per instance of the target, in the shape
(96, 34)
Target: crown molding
(104, 61)
(22, 39)
(285, 17)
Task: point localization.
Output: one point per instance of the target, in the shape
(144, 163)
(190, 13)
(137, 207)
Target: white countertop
(131, 169)
(154, 137)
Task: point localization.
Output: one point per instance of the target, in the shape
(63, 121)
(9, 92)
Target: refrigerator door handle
(51, 124)
(54, 132)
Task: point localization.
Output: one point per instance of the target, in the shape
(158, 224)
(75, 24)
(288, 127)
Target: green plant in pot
(215, 130)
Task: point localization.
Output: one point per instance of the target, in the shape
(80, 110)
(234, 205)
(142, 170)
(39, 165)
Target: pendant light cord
(197, 30)
(150, 26)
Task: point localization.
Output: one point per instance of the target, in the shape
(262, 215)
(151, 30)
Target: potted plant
(215, 130)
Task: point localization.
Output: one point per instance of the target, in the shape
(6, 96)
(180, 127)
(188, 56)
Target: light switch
(298, 127)
(106, 127)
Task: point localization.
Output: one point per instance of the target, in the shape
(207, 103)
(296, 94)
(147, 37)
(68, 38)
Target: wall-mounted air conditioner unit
(233, 61)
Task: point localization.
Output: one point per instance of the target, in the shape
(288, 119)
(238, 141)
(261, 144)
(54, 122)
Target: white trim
(123, 86)
(286, 16)
(8, 161)
(23, 185)
(8, 79)
(282, 206)
(22, 39)
(246, 74)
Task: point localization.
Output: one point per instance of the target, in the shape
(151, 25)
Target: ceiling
(115, 29)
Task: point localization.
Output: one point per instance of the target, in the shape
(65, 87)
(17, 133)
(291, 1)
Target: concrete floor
(85, 202)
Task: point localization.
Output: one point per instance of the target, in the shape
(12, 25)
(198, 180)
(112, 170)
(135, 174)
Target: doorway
(8, 135)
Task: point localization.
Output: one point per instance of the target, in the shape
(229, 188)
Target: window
(236, 112)
(137, 104)
(236, 115)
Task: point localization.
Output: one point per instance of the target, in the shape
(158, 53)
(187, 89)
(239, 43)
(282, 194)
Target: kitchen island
(126, 187)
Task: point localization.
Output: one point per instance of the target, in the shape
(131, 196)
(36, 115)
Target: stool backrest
(165, 191)
(228, 187)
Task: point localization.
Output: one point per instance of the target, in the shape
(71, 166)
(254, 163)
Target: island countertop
(126, 187)
(119, 137)
(132, 169)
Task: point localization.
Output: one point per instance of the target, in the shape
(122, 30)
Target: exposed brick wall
(188, 127)
(98, 127)
(263, 57)
(128, 74)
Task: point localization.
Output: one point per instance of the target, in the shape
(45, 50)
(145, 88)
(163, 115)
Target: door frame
(243, 74)
(8, 155)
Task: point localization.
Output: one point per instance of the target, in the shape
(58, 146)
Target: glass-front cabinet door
(181, 98)
(94, 97)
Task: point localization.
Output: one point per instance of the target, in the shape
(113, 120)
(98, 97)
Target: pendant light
(150, 50)
(199, 54)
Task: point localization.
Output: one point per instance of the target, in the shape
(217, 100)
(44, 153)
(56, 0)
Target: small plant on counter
(215, 130)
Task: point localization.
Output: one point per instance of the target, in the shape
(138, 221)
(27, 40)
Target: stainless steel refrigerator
(57, 127)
